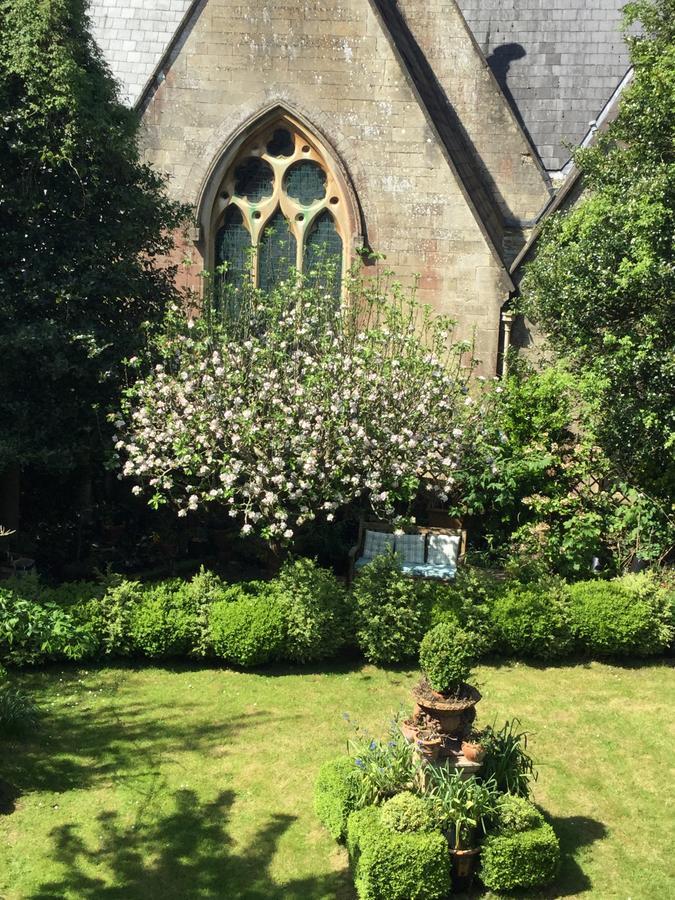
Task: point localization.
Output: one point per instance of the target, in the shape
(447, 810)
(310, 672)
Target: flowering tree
(285, 407)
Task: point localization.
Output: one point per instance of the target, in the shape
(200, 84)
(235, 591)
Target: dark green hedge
(392, 865)
(336, 795)
(523, 859)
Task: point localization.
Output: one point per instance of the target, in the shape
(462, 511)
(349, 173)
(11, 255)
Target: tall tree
(602, 286)
(85, 226)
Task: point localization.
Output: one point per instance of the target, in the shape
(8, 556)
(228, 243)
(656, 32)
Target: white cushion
(443, 549)
(377, 543)
(411, 548)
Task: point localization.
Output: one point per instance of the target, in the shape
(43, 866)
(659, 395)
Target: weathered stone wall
(333, 63)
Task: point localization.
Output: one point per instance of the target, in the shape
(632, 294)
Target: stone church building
(437, 132)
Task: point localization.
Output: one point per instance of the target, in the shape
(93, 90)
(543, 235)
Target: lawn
(182, 782)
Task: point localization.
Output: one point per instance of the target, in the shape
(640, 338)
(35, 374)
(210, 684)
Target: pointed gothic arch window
(280, 207)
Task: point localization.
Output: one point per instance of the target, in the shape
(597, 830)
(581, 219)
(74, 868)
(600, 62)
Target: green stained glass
(253, 179)
(276, 252)
(323, 247)
(281, 143)
(233, 243)
(305, 182)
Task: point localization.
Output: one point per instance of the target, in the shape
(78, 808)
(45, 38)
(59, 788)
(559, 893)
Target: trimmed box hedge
(524, 859)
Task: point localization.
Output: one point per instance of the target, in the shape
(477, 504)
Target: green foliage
(31, 633)
(336, 794)
(525, 859)
(407, 812)
(602, 283)
(531, 621)
(446, 655)
(507, 760)
(314, 607)
(386, 767)
(161, 624)
(18, 713)
(249, 632)
(391, 865)
(465, 805)
(515, 814)
(630, 616)
(465, 602)
(390, 614)
(84, 224)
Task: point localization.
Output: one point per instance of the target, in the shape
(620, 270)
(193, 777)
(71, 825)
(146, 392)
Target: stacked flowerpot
(445, 703)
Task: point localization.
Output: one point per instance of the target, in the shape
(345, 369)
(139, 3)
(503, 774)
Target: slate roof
(133, 35)
(558, 63)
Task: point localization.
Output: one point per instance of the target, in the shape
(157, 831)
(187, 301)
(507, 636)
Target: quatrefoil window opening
(280, 198)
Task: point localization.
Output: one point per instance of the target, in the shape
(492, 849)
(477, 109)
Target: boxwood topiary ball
(447, 653)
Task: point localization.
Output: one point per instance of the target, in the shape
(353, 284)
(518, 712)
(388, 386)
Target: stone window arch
(280, 203)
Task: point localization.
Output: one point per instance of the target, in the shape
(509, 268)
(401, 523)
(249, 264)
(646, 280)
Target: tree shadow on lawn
(84, 745)
(573, 833)
(187, 853)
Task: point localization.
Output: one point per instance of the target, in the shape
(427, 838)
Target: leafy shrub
(391, 615)
(465, 601)
(532, 621)
(196, 596)
(515, 814)
(161, 623)
(446, 656)
(111, 619)
(525, 859)
(407, 812)
(314, 607)
(391, 865)
(32, 632)
(336, 794)
(18, 713)
(507, 760)
(249, 631)
(629, 616)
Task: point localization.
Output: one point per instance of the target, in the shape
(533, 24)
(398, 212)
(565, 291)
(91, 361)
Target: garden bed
(185, 781)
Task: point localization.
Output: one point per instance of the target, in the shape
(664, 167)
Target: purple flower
(360, 763)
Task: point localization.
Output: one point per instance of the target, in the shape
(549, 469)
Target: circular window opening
(256, 214)
(305, 148)
(333, 200)
(300, 217)
(305, 182)
(281, 143)
(253, 179)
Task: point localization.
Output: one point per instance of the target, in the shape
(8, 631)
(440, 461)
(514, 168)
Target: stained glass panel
(281, 143)
(233, 243)
(323, 247)
(305, 182)
(253, 179)
(276, 252)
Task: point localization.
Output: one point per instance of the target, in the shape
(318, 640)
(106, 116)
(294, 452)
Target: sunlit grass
(196, 782)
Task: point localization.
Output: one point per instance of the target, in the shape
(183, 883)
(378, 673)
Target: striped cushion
(443, 549)
(377, 543)
(411, 548)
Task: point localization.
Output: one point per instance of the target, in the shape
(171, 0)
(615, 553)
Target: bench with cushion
(426, 552)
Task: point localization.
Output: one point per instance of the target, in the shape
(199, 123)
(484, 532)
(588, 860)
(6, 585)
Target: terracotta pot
(463, 863)
(473, 752)
(429, 748)
(453, 714)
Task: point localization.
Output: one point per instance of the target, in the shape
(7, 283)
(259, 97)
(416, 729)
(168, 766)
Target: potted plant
(473, 748)
(446, 656)
(464, 806)
(428, 743)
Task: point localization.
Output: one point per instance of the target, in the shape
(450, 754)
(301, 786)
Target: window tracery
(279, 206)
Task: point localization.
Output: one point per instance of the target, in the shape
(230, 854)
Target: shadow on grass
(87, 742)
(574, 832)
(187, 853)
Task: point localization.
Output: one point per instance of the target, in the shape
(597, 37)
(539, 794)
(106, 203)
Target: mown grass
(182, 782)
